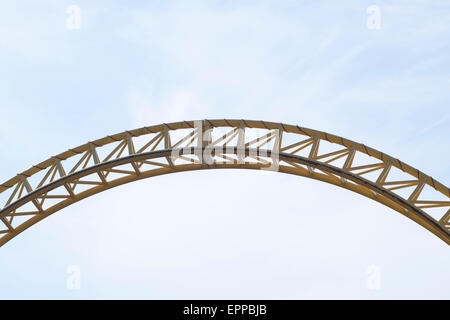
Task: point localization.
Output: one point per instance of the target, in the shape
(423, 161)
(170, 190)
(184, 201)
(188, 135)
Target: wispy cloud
(312, 63)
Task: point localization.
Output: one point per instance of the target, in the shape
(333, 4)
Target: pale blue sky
(311, 63)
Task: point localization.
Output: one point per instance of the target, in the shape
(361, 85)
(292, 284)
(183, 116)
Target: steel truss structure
(114, 160)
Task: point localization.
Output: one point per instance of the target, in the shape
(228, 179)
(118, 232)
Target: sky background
(225, 234)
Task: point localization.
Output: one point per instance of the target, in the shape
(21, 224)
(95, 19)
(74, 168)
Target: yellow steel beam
(284, 154)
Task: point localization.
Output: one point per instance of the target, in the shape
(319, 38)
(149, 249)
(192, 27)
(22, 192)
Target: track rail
(133, 155)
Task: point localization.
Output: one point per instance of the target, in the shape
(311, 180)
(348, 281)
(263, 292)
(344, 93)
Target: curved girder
(212, 144)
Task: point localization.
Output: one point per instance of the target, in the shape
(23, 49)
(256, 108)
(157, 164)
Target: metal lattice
(96, 166)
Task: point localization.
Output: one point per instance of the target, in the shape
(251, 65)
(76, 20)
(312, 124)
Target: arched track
(102, 164)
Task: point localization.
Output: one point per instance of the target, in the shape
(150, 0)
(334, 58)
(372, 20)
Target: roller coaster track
(114, 160)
